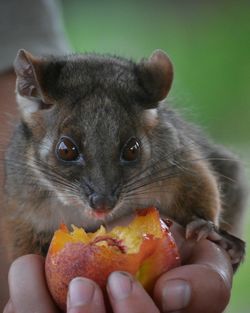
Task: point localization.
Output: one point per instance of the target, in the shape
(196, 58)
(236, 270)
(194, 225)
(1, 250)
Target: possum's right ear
(156, 76)
(30, 94)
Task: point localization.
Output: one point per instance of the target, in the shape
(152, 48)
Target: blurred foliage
(209, 44)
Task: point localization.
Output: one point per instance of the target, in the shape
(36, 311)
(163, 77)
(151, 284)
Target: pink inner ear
(26, 87)
(27, 90)
(27, 83)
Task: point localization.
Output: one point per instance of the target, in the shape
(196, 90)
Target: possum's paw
(235, 247)
(202, 229)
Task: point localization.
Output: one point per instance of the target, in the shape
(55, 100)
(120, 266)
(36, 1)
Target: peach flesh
(145, 248)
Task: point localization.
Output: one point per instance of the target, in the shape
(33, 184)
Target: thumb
(203, 284)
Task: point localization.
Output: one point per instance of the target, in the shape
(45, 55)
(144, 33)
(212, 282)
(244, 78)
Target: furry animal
(95, 142)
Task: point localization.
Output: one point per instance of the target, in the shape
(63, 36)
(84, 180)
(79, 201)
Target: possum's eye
(67, 150)
(131, 150)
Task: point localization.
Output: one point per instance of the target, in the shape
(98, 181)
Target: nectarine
(145, 248)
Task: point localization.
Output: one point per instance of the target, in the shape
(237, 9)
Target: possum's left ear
(27, 68)
(156, 75)
(29, 84)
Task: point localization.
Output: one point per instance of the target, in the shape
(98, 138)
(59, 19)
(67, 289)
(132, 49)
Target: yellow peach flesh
(145, 248)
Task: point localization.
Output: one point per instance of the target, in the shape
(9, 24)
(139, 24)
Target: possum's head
(91, 124)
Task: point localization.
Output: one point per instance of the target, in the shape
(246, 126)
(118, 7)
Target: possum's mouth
(100, 214)
(110, 218)
(126, 220)
(122, 221)
(115, 217)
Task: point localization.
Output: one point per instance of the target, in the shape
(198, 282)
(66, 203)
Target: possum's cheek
(150, 119)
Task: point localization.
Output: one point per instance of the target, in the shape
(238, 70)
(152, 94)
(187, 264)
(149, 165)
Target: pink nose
(102, 203)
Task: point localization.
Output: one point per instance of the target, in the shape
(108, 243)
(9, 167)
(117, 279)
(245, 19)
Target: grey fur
(99, 102)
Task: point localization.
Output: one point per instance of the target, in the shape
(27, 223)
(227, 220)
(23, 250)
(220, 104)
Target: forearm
(36, 26)
(8, 116)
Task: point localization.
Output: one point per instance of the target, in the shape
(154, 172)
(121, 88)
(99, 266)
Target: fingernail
(81, 292)
(176, 295)
(119, 285)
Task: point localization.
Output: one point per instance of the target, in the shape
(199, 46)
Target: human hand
(29, 293)
(203, 284)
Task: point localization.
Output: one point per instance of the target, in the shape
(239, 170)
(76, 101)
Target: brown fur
(101, 102)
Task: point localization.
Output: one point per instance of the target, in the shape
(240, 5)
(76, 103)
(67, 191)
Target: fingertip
(81, 292)
(84, 295)
(191, 288)
(28, 287)
(175, 295)
(27, 258)
(127, 295)
(120, 285)
(23, 264)
(26, 261)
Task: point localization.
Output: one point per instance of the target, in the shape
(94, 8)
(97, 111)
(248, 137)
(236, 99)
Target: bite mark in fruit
(145, 248)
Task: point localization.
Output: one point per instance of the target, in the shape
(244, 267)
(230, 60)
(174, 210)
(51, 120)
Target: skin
(203, 284)
(207, 271)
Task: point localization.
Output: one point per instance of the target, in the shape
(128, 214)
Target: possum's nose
(102, 203)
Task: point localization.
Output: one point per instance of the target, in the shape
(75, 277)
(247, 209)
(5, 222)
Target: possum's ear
(156, 76)
(30, 95)
(27, 69)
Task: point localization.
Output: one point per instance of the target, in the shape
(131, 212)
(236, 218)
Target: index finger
(28, 289)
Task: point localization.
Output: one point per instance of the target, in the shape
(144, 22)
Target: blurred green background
(209, 44)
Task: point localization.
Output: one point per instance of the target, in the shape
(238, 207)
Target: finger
(8, 308)
(185, 246)
(84, 297)
(28, 291)
(127, 295)
(201, 286)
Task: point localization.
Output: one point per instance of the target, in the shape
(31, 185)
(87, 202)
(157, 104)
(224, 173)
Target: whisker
(180, 167)
(49, 172)
(158, 162)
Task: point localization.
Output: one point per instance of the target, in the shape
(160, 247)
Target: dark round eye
(131, 150)
(67, 150)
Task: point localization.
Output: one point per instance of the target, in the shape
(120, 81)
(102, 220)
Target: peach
(145, 248)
